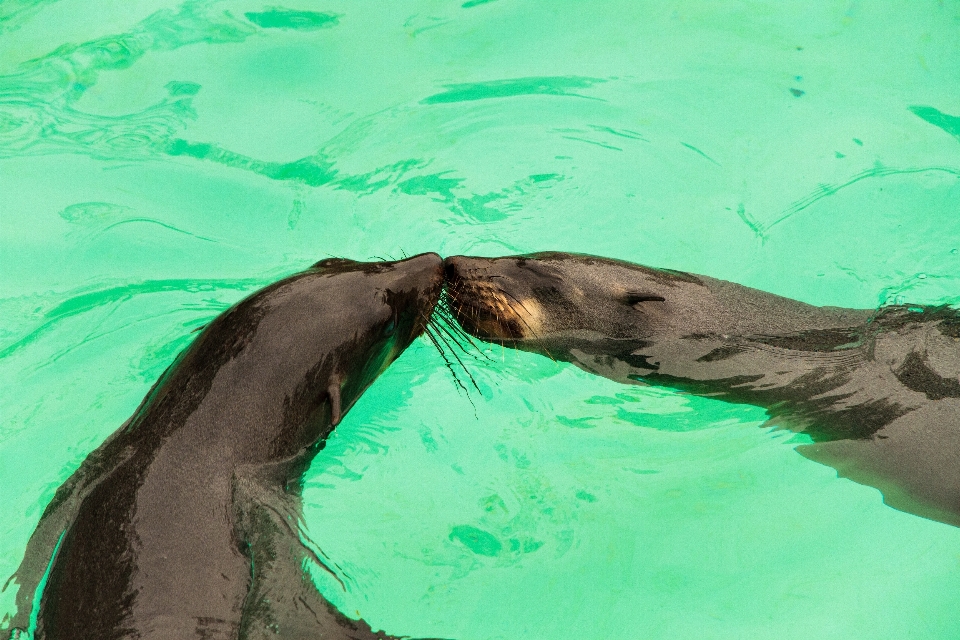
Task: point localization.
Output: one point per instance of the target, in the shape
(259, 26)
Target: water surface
(160, 159)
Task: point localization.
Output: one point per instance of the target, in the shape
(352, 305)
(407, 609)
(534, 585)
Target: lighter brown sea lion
(877, 390)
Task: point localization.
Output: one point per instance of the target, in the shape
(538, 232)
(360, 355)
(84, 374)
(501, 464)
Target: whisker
(436, 330)
(455, 297)
(429, 328)
(454, 336)
(448, 325)
(455, 292)
(449, 366)
(427, 332)
(460, 362)
(452, 326)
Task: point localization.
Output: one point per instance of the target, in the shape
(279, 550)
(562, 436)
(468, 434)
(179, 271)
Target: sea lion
(185, 522)
(877, 390)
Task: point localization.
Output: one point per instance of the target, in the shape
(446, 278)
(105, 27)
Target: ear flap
(334, 392)
(634, 298)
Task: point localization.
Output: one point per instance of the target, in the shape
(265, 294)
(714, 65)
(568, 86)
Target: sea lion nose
(461, 266)
(450, 268)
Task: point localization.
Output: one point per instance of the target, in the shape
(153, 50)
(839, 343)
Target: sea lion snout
(458, 267)
(487, 300)
(419, 277)
(425, 261)
(423, 272)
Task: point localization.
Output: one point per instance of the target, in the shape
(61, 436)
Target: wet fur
(186, 522)
(878, 391)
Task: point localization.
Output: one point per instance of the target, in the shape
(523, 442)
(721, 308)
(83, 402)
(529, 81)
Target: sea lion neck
(186, 520)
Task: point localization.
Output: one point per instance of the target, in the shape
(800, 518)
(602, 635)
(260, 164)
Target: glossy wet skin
(877, 390)
(534, 302)
(179, 525)
(573, 306)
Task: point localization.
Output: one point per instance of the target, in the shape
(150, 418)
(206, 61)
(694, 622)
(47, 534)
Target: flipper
(914, 461)
(335, 409)
(283, 602)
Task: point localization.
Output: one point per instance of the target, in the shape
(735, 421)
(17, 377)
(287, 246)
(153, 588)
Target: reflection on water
(161, 159)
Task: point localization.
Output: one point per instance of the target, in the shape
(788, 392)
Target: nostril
(449, 269)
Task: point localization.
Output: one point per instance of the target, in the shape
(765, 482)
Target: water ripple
(86, 299)
(289, 19)
(37, 112)
(545, 85)
(950, 124)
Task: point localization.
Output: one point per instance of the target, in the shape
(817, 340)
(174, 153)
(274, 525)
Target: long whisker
(453, 338)
(449, 366)
(460, 362)
(453, 331)
(429, 328)
(436, 343)
(446, 318)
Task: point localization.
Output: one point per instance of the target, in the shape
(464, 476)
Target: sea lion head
(290, 360)
(382, 306)
(554, 302)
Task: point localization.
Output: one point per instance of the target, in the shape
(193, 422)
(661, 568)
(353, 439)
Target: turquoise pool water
(161, 159)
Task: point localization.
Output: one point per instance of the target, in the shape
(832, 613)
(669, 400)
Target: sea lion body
(878, 391)
(185, 523)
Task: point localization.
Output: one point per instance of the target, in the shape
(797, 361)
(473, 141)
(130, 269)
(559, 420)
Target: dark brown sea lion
(878, 391)
(185, 522)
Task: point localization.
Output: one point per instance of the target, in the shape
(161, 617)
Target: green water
(161, 159)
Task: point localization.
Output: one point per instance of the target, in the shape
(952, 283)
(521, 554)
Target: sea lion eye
(635, 297)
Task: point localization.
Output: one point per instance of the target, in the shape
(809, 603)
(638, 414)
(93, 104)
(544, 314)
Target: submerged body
(878, 391)
(185, 522)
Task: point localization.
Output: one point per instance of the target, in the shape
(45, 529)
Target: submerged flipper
(283, 601)
(914, 461)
